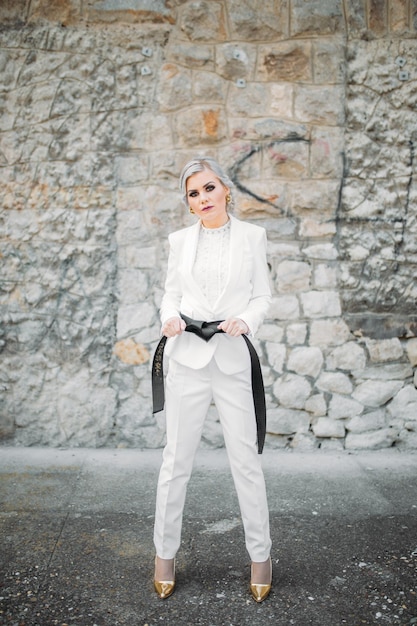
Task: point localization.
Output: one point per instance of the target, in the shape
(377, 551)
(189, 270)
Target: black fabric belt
(206, 330)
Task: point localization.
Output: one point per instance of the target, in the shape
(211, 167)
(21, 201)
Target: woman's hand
(173, 326)
(234, 326)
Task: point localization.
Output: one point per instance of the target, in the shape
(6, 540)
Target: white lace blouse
(211, 264)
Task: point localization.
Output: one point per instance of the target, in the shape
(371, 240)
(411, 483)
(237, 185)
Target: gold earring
(191, 211)
(228, 198)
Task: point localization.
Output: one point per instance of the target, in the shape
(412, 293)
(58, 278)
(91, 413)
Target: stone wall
(310, 107)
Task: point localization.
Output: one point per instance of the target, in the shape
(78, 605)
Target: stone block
(358, 253)
(329, 61)
(7, 421)
(132, 413)
(200, 126)
(305, 361)
(287, 421)
(377, 17)
(148, 437)
(208, 87)
(328, 333)
(284, 308)
(404, 404)
(304, 441)
(374, 420)
(130, 11)
(326, 427)
(320, 304)
(317, 196)
(311, 228)
(319, 105)
(146, 127)
(13, 11)
(285, 62)
(130, 352)
(246, 100)
(407, 440)
(296, 334)
(286, 159)
(85, 414)
(325, 277)
(276, 442)
(174, 90)
(319, 17)
(383, 350)
(235, 61)
(276, 355)
(331, 445)
(316, 405)
(334, 382)
(356, 16)
(191, 55)
(203, 21)
(282, 97)
(268, 374)
(135, 257)
(326, 155)
(267, 129)
(64, 12)
(388, 371)
(133, 317)
(350, 356)
(411, 349)
(398, 16)
(132, 170)
(375, 440)
(257, 199)
(341, 407)
(270, 332)
(322, 252)
(278, 250)
(292, 391)
(293, 276)
(254, 22)
(376, 393)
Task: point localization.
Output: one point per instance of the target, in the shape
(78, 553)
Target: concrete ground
(76, 535)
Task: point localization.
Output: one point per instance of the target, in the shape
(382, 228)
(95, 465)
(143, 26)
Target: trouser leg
(234, 401)
(188, 396)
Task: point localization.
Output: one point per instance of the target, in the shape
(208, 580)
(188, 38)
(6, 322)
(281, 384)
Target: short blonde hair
(199, 164)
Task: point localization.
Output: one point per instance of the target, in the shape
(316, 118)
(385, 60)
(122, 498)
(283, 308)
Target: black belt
(206, 330)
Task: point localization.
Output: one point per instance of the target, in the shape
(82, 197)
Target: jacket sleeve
(171, 301)
(260, 301)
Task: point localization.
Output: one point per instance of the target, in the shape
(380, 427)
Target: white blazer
(246, 295)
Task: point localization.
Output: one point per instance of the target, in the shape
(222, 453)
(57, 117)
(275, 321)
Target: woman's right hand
(173, 326)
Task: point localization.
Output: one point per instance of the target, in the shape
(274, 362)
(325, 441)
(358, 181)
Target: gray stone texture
(311, 109)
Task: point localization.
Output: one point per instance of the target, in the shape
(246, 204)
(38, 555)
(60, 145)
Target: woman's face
(206, 196)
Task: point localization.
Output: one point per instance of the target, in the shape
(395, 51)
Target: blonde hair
(199, 164)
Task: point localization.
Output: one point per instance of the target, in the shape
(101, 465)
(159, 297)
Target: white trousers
(188, 394)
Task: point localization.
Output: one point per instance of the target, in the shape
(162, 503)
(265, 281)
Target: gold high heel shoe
(164, 588)
(260, 591)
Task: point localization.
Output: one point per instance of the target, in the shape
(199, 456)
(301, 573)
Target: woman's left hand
(234, 326)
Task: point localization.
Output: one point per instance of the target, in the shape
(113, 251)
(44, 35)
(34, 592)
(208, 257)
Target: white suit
(218, 370)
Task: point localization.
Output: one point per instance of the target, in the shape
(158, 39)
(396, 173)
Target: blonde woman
(217, 282)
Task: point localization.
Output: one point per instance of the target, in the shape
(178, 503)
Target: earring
(228, 198)
(191, 211)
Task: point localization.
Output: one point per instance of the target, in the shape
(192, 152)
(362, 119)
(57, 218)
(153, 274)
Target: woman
(217, 270)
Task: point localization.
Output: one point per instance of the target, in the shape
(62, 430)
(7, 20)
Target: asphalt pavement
(77, 550)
